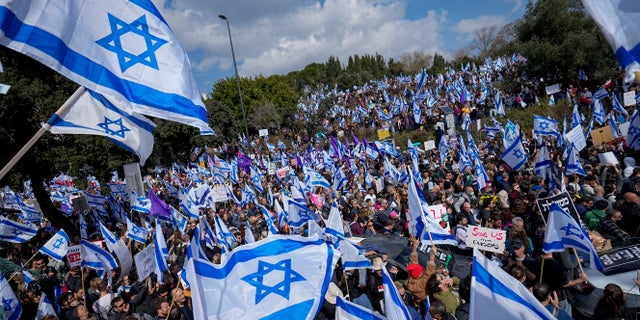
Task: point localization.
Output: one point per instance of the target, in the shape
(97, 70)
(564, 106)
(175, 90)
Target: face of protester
(83, 313)
(178, 295)
(616, 217)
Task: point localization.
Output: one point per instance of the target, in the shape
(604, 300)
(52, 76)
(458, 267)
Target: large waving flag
(44, 307)
(275, 278)
(12, 308)
(493, 291)
(57, 246)
(499, 104)
(515, 155)
(160, 252)
(421, 224)
(598, 112)
(136, 232)
(564, 232)
(633, 134)
(91, 113)
(158, 207)
(126, 52)
(339, 179)
(15, 232)
(617, 106)
(543, 164)
(394, 307)
(545, 126)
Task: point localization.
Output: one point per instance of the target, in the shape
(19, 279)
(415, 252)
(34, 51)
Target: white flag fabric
(346, 310)
(96, 257)
(495, 292)
(15, 232)
(109, 237)
(543, 164)
(515, 155)
(135, 232)
(44, 307)
(280, 277)
(57, 246)
(161, 252)
(619, 22)
(93, 114)
(394, 307)
(421, 224)
(12, 308)
(563, 231)
(126, 52)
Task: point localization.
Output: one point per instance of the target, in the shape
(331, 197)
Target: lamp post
(235, 67)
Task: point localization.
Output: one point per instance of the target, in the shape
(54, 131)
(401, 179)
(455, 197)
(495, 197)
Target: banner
(74, 258)
(563, 200)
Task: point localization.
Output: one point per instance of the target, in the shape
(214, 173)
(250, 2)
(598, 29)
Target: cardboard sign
(439, 213)
(145, 262)
(282, 172)
(624, 128)
(383, 134)
(563, 200)
(263, 132)
(629, 98)
(607, 158)
(601, 135)
(577, 137)
(621, 260)
(74, 258)
(219, 193)
(486, 239)
(552, 89)
(124, 257)
(430, 144)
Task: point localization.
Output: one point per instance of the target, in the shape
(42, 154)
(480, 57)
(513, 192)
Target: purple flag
(244, 162)
(158, 207)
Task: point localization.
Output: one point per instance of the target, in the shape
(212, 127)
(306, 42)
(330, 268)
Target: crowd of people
(371, 203)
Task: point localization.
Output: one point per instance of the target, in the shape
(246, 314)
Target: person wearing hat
(328, 308)
(374, 288)
(593, 217)
(418, 275)
(521, 259)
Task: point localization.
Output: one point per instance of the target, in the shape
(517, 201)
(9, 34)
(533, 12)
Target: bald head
(631, 198)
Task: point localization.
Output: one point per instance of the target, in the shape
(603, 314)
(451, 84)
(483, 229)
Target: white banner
(577, 137)
(219, 194)
(439, 213)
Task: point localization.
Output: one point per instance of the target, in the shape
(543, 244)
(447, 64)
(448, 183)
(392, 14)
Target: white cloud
(279, 36)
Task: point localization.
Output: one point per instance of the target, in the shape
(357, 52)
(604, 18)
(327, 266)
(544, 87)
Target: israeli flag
(271, 227)
(394, 307)
(466, 121)
(481, 174)
(565, 232)
(552, 101)
(417, 112)
(140, 203)
(573, 165)
(299, 214)
(136, 232)
(12, 308)
(499, 104)
(126, 51)
(443, 148)
(339, 179)
(110, 239)
(15, 232)
(57, 246)
(346, 310)
(515, 155)
(543, 164)
(598, 111)
(96, 257)
(633, 134)
(614, 126)
(279, 277)
(493, 291)
(314, 179)
(179, 220)
(44, 307)
(421, 223)
(391, 172)
(545, 126)
(160, 252)
(91, 113)
(617, 106)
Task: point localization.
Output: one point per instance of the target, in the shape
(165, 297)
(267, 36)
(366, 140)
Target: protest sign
(263, 132)
(383, 134)
(577, 137)
(439, 213)
(486, 239)
(552, 89)
(74, 258)
(124, 257)
(563, 200)
(429, 144)
(282, 172)
(607, 158)
(629, 98)
(219, 193)
(145, 262)
(601, 135)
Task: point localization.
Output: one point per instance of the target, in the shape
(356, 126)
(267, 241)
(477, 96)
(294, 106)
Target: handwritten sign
(219, 193)
(263, 132)
(552, 89)
(145, 262)
(429, 144)
(74, 258)
(486, 239)
(282, 172)
(629, 98)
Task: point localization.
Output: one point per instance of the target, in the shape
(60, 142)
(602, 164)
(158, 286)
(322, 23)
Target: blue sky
(279, 36)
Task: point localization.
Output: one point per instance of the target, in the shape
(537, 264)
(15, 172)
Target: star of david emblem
(58, 243)
(281, 288)
(568, 229)
(633, 130)
(518, 154)
(128, 35)
(16, 232)
(135, 230)
(544, 125)
(106, 125)
(7, 304)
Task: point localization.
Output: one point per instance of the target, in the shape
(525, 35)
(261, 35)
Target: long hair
(612, 300)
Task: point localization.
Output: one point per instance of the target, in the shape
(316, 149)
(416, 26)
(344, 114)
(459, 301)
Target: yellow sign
(383, 134)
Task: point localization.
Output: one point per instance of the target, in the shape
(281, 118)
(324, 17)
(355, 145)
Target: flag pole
(45, 127)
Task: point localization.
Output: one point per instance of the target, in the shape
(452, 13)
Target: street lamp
(235, 67)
